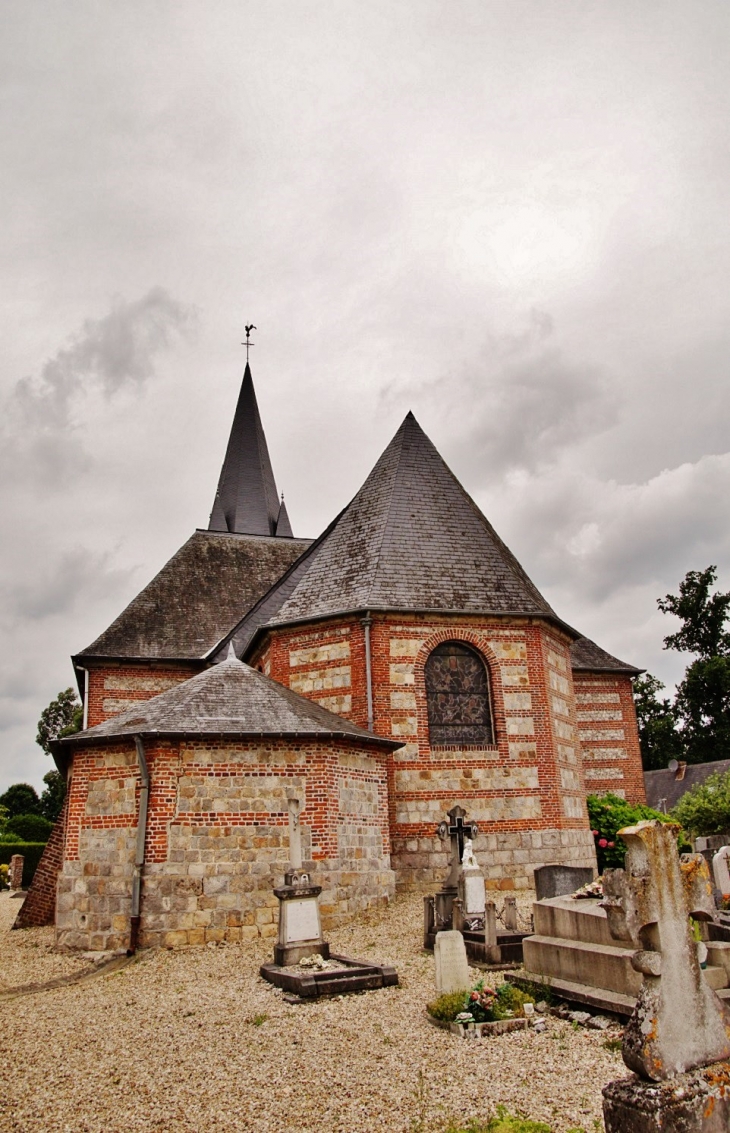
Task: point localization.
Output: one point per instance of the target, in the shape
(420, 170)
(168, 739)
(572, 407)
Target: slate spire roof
(411, 539)
(228, 699)
(246, 501)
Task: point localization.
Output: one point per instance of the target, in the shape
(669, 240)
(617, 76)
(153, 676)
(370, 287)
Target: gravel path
(27, 956)
(194, 1040)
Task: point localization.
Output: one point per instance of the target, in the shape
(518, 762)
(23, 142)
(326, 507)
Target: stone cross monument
(679, 1024)
(300, 926)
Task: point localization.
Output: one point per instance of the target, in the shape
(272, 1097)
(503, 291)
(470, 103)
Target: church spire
(283, 526)
(246, 501)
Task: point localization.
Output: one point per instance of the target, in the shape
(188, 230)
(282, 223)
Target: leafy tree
(62, 717)
(607, 815)
(21, 798)
(657, 719)
(703, 616)
(53, 795)
(705, 809)
(702, 703)
(29, 827)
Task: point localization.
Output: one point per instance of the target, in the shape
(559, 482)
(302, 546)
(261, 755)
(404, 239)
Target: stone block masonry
(217, 838)
(608, 735)
(529, 780)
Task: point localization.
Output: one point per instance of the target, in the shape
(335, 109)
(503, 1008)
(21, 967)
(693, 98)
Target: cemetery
(410, 1038)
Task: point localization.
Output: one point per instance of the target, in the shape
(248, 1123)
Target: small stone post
(15, 876)
(510, 914)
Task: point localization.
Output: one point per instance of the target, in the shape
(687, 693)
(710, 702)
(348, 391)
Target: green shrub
(705, 809)
(448, 1006)
(504, 1122)
(29, 827)
(31, 851)
(607, 815)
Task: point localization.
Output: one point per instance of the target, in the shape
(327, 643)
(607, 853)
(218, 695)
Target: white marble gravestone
(721, 871)
(452, 969)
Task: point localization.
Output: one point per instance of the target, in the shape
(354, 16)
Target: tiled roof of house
(197, 597)
(228, 699)
(664, 788)
(411, 539)
(246, 500)
(586, 656)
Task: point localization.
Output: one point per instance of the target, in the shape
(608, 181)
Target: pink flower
(611, 845)
(594, 833)
(602, 842)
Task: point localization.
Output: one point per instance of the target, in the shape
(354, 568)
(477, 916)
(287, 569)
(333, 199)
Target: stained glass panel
(457, 690)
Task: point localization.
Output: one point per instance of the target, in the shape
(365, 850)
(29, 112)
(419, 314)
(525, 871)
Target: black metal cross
(458, 830)
(248, 344)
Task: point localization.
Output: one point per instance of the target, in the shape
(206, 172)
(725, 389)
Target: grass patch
(257, 1020)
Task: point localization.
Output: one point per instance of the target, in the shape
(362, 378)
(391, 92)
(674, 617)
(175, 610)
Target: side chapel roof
(204, 589)
(228, 699)
(586, 656)
(411, 539)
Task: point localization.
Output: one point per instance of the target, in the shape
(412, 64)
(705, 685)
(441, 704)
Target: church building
(399, 664)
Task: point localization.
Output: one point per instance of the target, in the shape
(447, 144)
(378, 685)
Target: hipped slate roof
(229, 699)
(246, 500)
(204, 590)
(586, 656)
(411, 539)
(664, 784)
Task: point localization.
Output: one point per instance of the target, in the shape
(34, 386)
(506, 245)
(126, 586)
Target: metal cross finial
(248, 344)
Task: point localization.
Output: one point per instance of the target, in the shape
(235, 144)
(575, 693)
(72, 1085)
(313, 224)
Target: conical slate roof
(228, 699)
(246, 501)
(411, 539)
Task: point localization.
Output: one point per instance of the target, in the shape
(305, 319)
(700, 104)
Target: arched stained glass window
(457, 690)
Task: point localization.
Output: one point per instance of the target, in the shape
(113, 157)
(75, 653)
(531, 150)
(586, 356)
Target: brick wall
(115, 686)
(526, 790)
(609, 737)
(39, 906)
(217, 838)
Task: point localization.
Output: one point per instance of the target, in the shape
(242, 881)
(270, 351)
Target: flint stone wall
(217, 840)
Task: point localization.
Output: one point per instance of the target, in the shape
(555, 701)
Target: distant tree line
(26, 816)
(695, 725)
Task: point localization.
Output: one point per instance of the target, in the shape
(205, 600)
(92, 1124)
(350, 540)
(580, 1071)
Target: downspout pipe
(139, 848)
(367, 622)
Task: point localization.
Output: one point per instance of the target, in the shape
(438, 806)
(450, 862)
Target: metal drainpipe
(139, 850)
(367, 621)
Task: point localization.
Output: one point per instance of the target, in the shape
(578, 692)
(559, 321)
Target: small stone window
(457, 691)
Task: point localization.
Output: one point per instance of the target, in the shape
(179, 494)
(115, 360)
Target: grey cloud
(63, 583)
(108, 353)
(519, 404)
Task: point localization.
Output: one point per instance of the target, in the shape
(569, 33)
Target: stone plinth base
(697, 1102)
(286, 954)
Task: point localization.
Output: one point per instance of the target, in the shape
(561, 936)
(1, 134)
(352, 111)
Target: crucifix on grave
(458, 830)
(300, 926)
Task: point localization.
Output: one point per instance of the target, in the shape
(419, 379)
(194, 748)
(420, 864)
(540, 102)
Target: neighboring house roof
(204, 590)
(229, 699)
(664, 789)
(246, 501)
(586, 656)
(411, 539)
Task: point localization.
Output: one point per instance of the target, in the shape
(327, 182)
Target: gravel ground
(27, 956)
(194, 1040)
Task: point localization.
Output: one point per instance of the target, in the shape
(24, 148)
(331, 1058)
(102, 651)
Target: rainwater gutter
(139, 848)
(367, 622)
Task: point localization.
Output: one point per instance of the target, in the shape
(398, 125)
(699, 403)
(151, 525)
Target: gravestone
(471, 890)
(510, 914)
(300, 926)
(15, 873)
(721, 871)
(679, 1025)
(452, 969)
(560, 880)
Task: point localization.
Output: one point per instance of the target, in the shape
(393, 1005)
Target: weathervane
(248, 344)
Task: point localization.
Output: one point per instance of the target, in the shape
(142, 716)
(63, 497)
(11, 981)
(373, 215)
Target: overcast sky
(510, 217)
